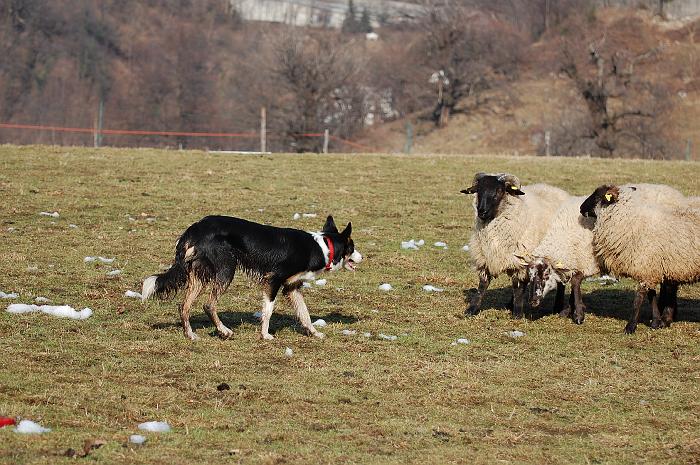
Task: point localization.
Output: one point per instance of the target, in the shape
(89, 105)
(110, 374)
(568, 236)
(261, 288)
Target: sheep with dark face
(510, 220)
(566, 251)
(651, 243)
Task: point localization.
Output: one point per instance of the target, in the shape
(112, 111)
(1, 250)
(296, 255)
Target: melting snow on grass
(155, 426)
(321, 282)
(133, 295)
(320, 323)
(431, 288)
(113, 273)
(137, 439)
(288, 352)
(441, 245)
(412, 244)
(461, 341)
(11, 295)
(386, 337)
(98, 259)
(385, 287)
(515, 333)
(61, 311)
(29, 427)
(51, 214)
(348, 332)
(465, 248)
(42, 300)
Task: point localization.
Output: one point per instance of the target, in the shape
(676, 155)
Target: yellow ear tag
(514, 188)
(608, 197)
(559, 265)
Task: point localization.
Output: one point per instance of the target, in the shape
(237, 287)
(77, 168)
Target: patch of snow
(440, 244)
(296, 216)
(431, 288)
(113, 273)
(257, 315)
(11, 229)
(348, 332)
(515, 333)
(29, 427)
(288, 352)
(306, 284)
(309, 215)
(51, 214)
(11, 295)
(385, 287)
(461, 341)
(320, 323)
(321, 282)
(465, 248)
(155, 426)
(366, 334)
(386, 337)
(61, 311)
(137, 439)
(32, 268)
(73, 226)
(42, 300)
(412, 244)
(133, 295)
(101, 259)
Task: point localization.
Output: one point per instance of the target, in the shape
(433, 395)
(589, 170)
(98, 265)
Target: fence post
(98, 124)
(688, 149)
(326, 136)
(263, 129)
(547, 141)
(409, 139)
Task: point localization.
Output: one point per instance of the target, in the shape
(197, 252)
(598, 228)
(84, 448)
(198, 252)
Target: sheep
(565, 254)
(508, 220)
(645, 241)
(566, 251)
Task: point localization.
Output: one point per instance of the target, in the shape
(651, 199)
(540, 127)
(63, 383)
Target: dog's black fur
(213, 249)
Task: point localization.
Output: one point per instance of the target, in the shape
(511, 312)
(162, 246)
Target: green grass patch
(560, 394)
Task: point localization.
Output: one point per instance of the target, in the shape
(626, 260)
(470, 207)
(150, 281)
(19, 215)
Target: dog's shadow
(235, 319)
(607, 302)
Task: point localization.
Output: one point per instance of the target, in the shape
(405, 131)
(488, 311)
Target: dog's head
(543, 276)
(344, 255)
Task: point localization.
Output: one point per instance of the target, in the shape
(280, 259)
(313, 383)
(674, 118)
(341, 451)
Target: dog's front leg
(297, 301)
(268, 307)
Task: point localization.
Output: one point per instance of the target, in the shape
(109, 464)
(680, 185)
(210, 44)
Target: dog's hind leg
(194, 288)
(269, 296)
(221, 283)
(297, 300)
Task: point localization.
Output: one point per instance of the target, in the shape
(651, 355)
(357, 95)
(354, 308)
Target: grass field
(560, 394)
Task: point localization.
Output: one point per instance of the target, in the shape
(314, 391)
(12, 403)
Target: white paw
(319, 335)
(268, 336)
(224, 332)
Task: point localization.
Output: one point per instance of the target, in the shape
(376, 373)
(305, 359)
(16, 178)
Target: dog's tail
(172, 280)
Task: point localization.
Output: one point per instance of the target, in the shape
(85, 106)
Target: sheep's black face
(603, 195)
(490, 191)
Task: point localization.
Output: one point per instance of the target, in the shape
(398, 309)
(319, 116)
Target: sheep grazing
(565, 254)
(566, 251)
(646, 241)
(509, 220)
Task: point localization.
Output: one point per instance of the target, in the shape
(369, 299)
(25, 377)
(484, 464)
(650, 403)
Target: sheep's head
(490, 190)
(543, 276)
(603, 196)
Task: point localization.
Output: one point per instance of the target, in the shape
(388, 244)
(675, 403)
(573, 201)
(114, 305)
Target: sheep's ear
(524, 259)
(514, 190)
(610, 196)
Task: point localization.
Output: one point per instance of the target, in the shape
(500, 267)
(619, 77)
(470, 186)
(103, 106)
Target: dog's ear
(330, 226)
(347, 231)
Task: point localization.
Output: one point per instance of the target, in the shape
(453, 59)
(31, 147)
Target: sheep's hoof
(666, 323)
(566, 313)
(630, 328)
(656, 324)
(578, 320)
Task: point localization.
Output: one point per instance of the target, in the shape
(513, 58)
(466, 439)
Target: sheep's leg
(559, 301)
(642, 292)
(669, 302)
(579, 306)
(519, 298)
(655, 313)
(477, 297)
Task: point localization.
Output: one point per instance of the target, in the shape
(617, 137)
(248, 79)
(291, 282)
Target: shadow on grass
(607, 302)
(236, 319)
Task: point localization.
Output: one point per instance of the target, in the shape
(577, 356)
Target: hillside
(514, 119)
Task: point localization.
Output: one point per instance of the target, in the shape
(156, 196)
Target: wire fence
(174, 138)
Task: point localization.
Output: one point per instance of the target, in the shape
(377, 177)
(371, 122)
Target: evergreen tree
(365, 23)
(350, 23)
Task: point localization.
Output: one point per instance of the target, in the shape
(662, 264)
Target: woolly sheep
(631, 238)
(566, 251)
(508, 221)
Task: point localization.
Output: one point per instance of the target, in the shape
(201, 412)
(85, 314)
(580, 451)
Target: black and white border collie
(214, 248)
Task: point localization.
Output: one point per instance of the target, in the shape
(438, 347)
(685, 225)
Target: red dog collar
(331, 252)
